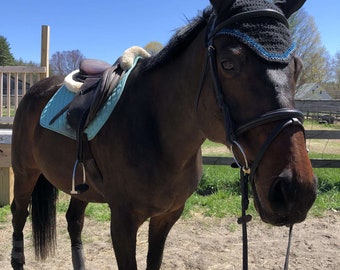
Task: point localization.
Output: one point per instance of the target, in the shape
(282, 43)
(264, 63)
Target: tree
(62, 63)
(21, 62)
(317, 62)
(6, 57)
(337, 67)
(153, 47)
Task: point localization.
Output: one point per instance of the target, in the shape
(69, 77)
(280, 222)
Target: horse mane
(182, 38)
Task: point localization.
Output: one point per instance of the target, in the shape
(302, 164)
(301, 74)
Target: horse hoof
(17, 266)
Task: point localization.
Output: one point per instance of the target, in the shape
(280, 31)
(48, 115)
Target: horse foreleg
(158, 231)
(124, 226)
(75, 224)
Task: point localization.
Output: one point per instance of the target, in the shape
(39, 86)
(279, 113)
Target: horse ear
(221, 5)
(289, 6)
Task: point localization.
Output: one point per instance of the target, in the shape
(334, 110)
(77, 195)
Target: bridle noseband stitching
(285, 117)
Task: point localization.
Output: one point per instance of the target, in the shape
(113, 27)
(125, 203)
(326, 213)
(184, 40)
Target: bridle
(284, 117)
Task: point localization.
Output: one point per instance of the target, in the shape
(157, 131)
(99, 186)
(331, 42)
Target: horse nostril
(281, 192)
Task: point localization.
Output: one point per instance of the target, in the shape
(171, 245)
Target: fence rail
(14, 82)
(316, 109)
(316, 163)
(332, 105)
(310, 134)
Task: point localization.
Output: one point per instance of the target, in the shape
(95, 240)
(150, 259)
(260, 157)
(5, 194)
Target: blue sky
(103, 29)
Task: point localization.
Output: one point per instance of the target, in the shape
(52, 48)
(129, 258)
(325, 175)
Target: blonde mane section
(125, 61)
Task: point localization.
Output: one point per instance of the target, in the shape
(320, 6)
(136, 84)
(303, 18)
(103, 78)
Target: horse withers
(228, 76)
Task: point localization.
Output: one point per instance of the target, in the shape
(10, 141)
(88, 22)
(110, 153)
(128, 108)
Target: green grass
(11, 113)
(323, 156)
(220, 204)
(314, 125)
(96, 211)
(99, 212)
(226, 200)
(5, 213)
(328, 191)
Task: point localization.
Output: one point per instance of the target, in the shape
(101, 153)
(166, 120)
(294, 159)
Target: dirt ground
(199, 243)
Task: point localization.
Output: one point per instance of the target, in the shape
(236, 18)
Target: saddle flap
(79, 107)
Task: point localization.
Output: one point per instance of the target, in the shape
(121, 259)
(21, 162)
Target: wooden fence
(14, 82)
(310, 134)
(330, 106)
(317, 108)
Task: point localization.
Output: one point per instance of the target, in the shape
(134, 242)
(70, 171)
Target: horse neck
(175, 88)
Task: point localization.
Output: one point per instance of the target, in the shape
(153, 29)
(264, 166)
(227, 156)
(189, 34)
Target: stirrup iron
(81, 187)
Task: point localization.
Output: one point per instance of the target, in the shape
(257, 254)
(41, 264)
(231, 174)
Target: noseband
(284, 117)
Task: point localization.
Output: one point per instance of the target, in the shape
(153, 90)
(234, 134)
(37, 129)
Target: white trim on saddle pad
(126, 62)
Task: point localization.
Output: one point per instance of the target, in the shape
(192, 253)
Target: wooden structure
(316, 108)
(23, 76)
(6, 173)
(15, 76)
(310, 134)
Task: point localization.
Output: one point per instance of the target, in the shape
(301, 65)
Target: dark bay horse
(228, 76)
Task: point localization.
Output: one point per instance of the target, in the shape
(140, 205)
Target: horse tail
(43, 209)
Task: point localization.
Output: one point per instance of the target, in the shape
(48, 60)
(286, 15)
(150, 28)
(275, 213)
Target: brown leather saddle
(99, 80)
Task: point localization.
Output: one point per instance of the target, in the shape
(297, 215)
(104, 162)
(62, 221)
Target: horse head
(254, 72)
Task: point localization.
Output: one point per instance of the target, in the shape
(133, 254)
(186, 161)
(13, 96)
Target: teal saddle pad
(63, 97)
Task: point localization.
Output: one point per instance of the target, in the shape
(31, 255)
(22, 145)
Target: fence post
(6, 172)
(45, 50)
(6, 184)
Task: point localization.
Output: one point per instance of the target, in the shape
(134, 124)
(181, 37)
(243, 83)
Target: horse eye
(228, 65)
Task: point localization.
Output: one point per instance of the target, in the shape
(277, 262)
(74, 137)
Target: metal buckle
(245, 168)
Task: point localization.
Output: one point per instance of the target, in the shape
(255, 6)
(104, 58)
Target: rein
(244, 219)
(284, 116)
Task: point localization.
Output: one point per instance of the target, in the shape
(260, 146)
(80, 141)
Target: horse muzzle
(289, 199)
